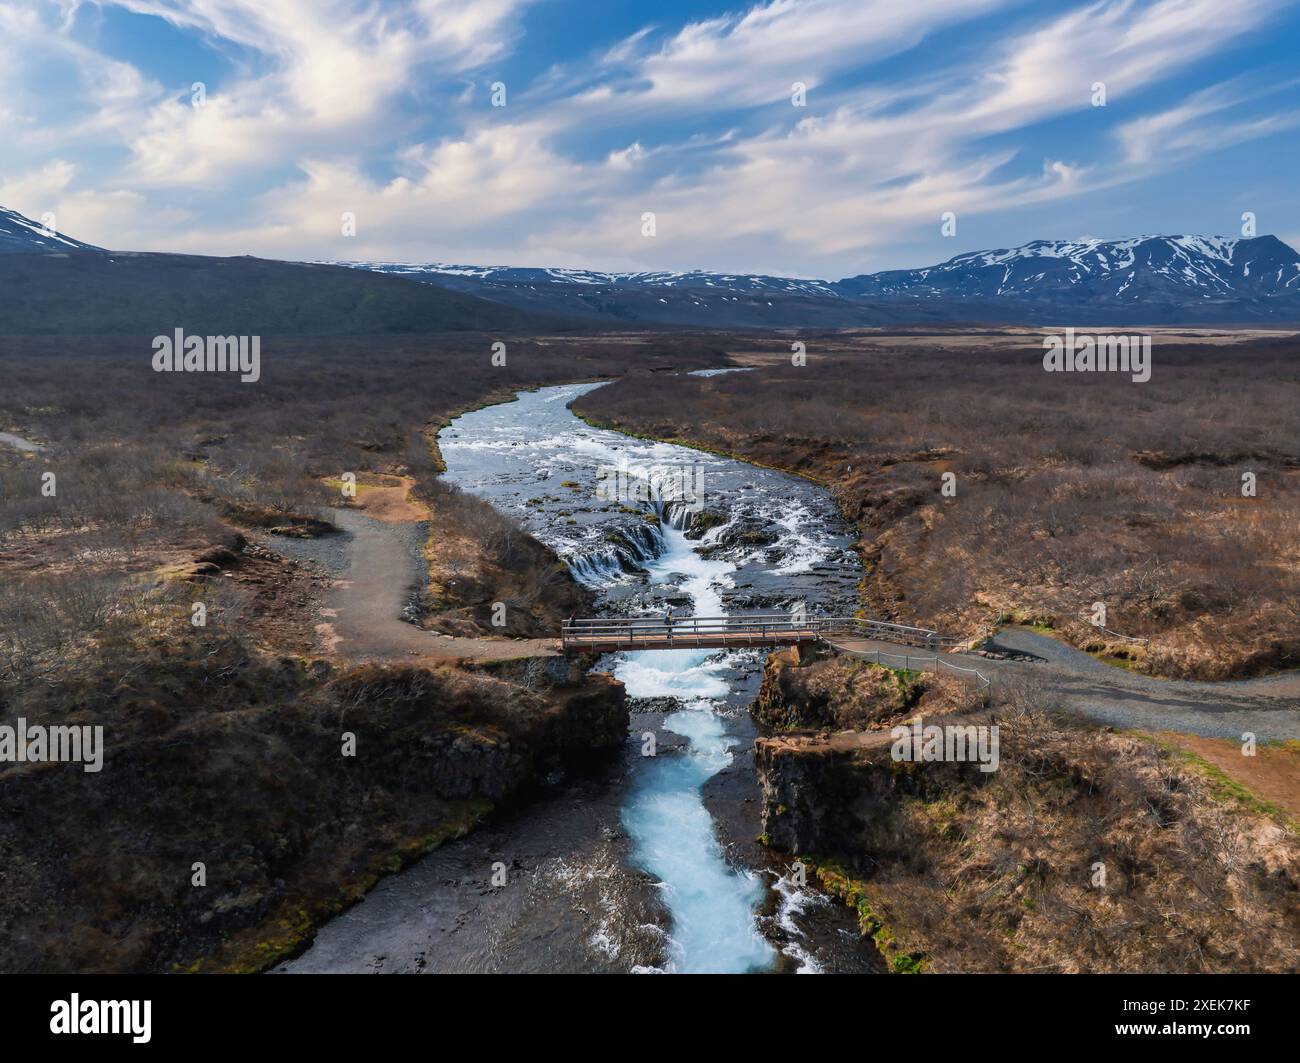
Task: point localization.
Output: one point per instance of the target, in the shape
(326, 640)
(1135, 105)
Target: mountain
(1146, 280)
(737, 282)
(145, 295)
(55, 284)
(1204, 267)
(19, 235)
(717, 300)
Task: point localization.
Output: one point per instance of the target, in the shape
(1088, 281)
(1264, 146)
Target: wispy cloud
(380, 109)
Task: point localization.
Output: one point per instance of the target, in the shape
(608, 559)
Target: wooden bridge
(850, 635)
(608, 634)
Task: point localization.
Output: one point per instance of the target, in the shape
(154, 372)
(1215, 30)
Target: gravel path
(377, 564)
(1268, 707)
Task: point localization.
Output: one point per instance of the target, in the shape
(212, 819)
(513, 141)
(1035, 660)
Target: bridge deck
(608, 634)
(686, 639)
(904, 646)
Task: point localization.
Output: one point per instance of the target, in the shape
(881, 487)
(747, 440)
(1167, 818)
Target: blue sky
(383, 110)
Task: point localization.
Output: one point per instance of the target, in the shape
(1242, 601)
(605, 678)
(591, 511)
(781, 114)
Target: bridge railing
(751, 628)
(856, 626)
(767, 629)
(633, 630)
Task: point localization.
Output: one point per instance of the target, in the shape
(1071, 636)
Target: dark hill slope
(117, 293)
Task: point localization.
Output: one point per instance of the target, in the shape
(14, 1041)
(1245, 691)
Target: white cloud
(336, 72)
(1188, 129)
(753, 58)
(334, 96)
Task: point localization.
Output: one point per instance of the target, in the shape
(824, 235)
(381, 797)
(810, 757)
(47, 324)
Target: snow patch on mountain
(1129, 271)
(517, 275)
(19, 234)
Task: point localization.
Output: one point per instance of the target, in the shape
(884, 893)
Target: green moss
(1116, 660)
(854, 892)
(707, 519)
(903, 963)
(287, 932)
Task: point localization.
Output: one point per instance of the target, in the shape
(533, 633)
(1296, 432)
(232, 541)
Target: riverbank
(221, 837)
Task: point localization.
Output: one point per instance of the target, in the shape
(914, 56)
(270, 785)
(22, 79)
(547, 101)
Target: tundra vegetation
(223, 740)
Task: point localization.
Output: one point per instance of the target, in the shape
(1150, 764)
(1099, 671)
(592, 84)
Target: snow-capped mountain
(1152, 279)
(1204, 267)
(737, 282)
(1146, 280)
(19, 234)
(722, 300)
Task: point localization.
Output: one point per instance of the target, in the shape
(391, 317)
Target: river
(652, 865)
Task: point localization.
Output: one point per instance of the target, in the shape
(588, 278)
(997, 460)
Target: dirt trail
(362, 610)
(1272, 774)
(1205, 719)
(1269, 707)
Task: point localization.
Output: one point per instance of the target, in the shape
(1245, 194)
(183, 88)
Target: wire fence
(1115, 634)
(913, 662)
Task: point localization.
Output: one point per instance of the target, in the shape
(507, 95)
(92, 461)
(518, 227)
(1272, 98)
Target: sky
(812, 138)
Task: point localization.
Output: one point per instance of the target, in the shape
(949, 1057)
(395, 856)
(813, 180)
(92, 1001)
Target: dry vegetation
(152, 469)
(1070, 489)
(221, 757)
(477, 557)
(952, 869)
(223, 741)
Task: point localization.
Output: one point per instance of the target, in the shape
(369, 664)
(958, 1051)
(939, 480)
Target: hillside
(114, 294)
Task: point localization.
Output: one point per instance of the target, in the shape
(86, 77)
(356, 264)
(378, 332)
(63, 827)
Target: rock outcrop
(810, 687)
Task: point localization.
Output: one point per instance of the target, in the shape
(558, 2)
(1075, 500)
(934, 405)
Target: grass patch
(1223, 787)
